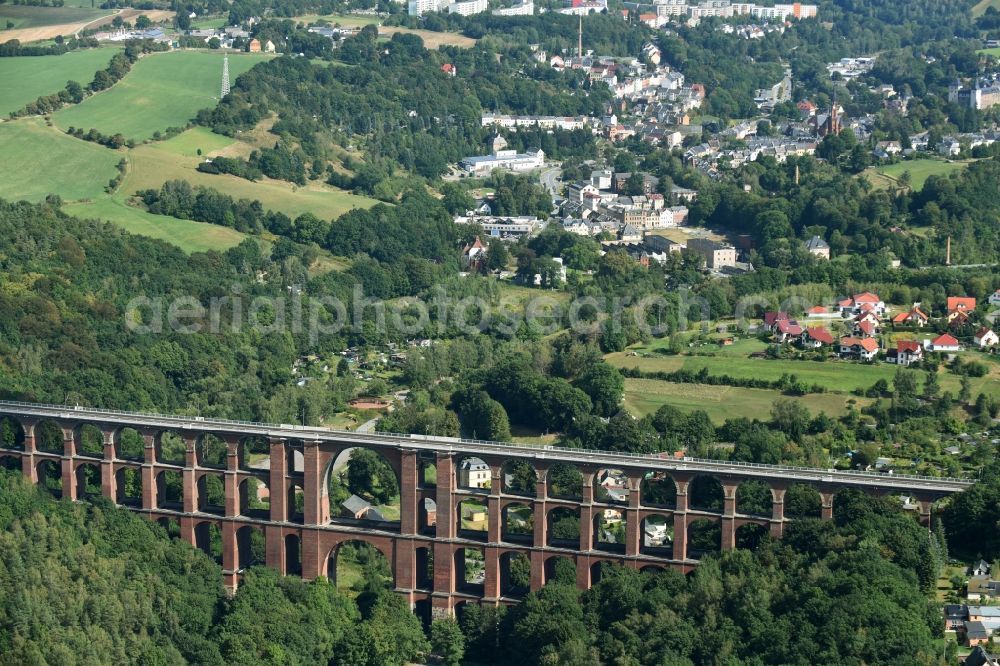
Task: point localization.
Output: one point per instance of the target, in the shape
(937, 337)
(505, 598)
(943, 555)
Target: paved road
(548, 180)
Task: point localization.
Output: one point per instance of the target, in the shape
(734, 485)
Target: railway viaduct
(81, 452)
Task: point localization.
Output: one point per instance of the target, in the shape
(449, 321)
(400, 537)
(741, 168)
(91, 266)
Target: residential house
(254, 46)
(816, 336)
(865, 328)
(474, 473)
(995, 297)
(988, 615)
(980, 568)
(961, 303)
(943, 343)
(863, 349)
(957, 318)
(857, 304)
(981, 587)
(788, 329)
(955, 616)
(473, 255)
(818, 247)
(986, 338)
(980, 657)
(772, 318)
(360, 509)
(915, 317)
(976, 633)
(907, 352)
(821, 312)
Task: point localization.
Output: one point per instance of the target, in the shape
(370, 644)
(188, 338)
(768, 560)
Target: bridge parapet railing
(454, 444)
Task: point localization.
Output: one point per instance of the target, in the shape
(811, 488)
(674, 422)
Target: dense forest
(93, 583)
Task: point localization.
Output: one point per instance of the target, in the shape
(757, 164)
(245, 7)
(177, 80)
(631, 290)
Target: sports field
(162, 90)
(39, 160)
(888, 176)
(25, 79)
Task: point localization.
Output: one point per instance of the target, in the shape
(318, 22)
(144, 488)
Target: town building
(526, 8)
(717, 255)
(504, 228)
(509, 160)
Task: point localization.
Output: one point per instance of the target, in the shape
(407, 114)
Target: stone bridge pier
(476, 522)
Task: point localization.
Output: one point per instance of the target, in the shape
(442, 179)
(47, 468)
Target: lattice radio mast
(225, 76)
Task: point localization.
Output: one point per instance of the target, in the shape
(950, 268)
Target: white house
(474, 473)
(995, 297)
(986, 338)
(943, 343)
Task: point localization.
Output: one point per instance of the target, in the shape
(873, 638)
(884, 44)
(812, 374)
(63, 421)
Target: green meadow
(39, 160)
(162, 90)
(920, 170)
(25, 81)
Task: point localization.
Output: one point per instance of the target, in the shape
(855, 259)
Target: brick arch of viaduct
(408, 543)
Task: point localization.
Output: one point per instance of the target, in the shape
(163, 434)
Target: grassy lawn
(189, 142)
(188, 235)
(40, 160)
(645, 396)
(920, 170)
(27, 78)
(162, 90)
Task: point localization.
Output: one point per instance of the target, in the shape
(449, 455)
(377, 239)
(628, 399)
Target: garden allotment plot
(162, 90)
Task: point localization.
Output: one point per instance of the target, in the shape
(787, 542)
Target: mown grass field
(995, 51)
(187, 235)
(40, 160)
(25, 79)
(887, 176)
(645, 396)
(162, 90)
